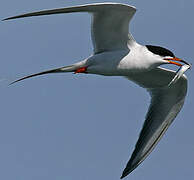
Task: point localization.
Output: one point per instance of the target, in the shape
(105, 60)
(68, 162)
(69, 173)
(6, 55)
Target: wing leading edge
(110, 23)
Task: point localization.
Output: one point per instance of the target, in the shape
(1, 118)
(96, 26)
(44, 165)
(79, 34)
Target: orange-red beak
(171, 61)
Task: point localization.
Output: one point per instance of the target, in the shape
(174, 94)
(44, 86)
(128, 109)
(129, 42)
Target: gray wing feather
(110, 23)
(166, 103)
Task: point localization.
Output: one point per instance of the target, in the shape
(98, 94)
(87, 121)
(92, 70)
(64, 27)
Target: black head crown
(160, 51)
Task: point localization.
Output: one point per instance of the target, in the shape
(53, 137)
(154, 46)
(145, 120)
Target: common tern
(116, 53)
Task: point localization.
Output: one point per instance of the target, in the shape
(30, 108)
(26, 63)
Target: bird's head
(166, 55)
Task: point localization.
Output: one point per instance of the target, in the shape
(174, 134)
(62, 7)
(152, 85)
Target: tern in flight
(116, 53)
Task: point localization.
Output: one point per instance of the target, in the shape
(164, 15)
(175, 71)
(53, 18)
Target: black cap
(160, 51)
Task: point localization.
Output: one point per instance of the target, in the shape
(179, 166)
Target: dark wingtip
(14, 82)
(58, 70)
(21, 79)
(122, 177)
(124, 174)
(129, 168)
(5, 19)
(14, 17)
(26, 77)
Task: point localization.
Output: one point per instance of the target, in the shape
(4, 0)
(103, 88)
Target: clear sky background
(84, 127)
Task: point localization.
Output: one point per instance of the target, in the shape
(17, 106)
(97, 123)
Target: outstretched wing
(165, 104)
(110, 23)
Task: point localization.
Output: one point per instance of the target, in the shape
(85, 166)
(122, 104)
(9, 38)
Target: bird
(117, 53)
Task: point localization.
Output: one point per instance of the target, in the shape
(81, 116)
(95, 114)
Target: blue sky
(84, 127)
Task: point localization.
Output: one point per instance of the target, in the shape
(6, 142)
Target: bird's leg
(81, 70)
